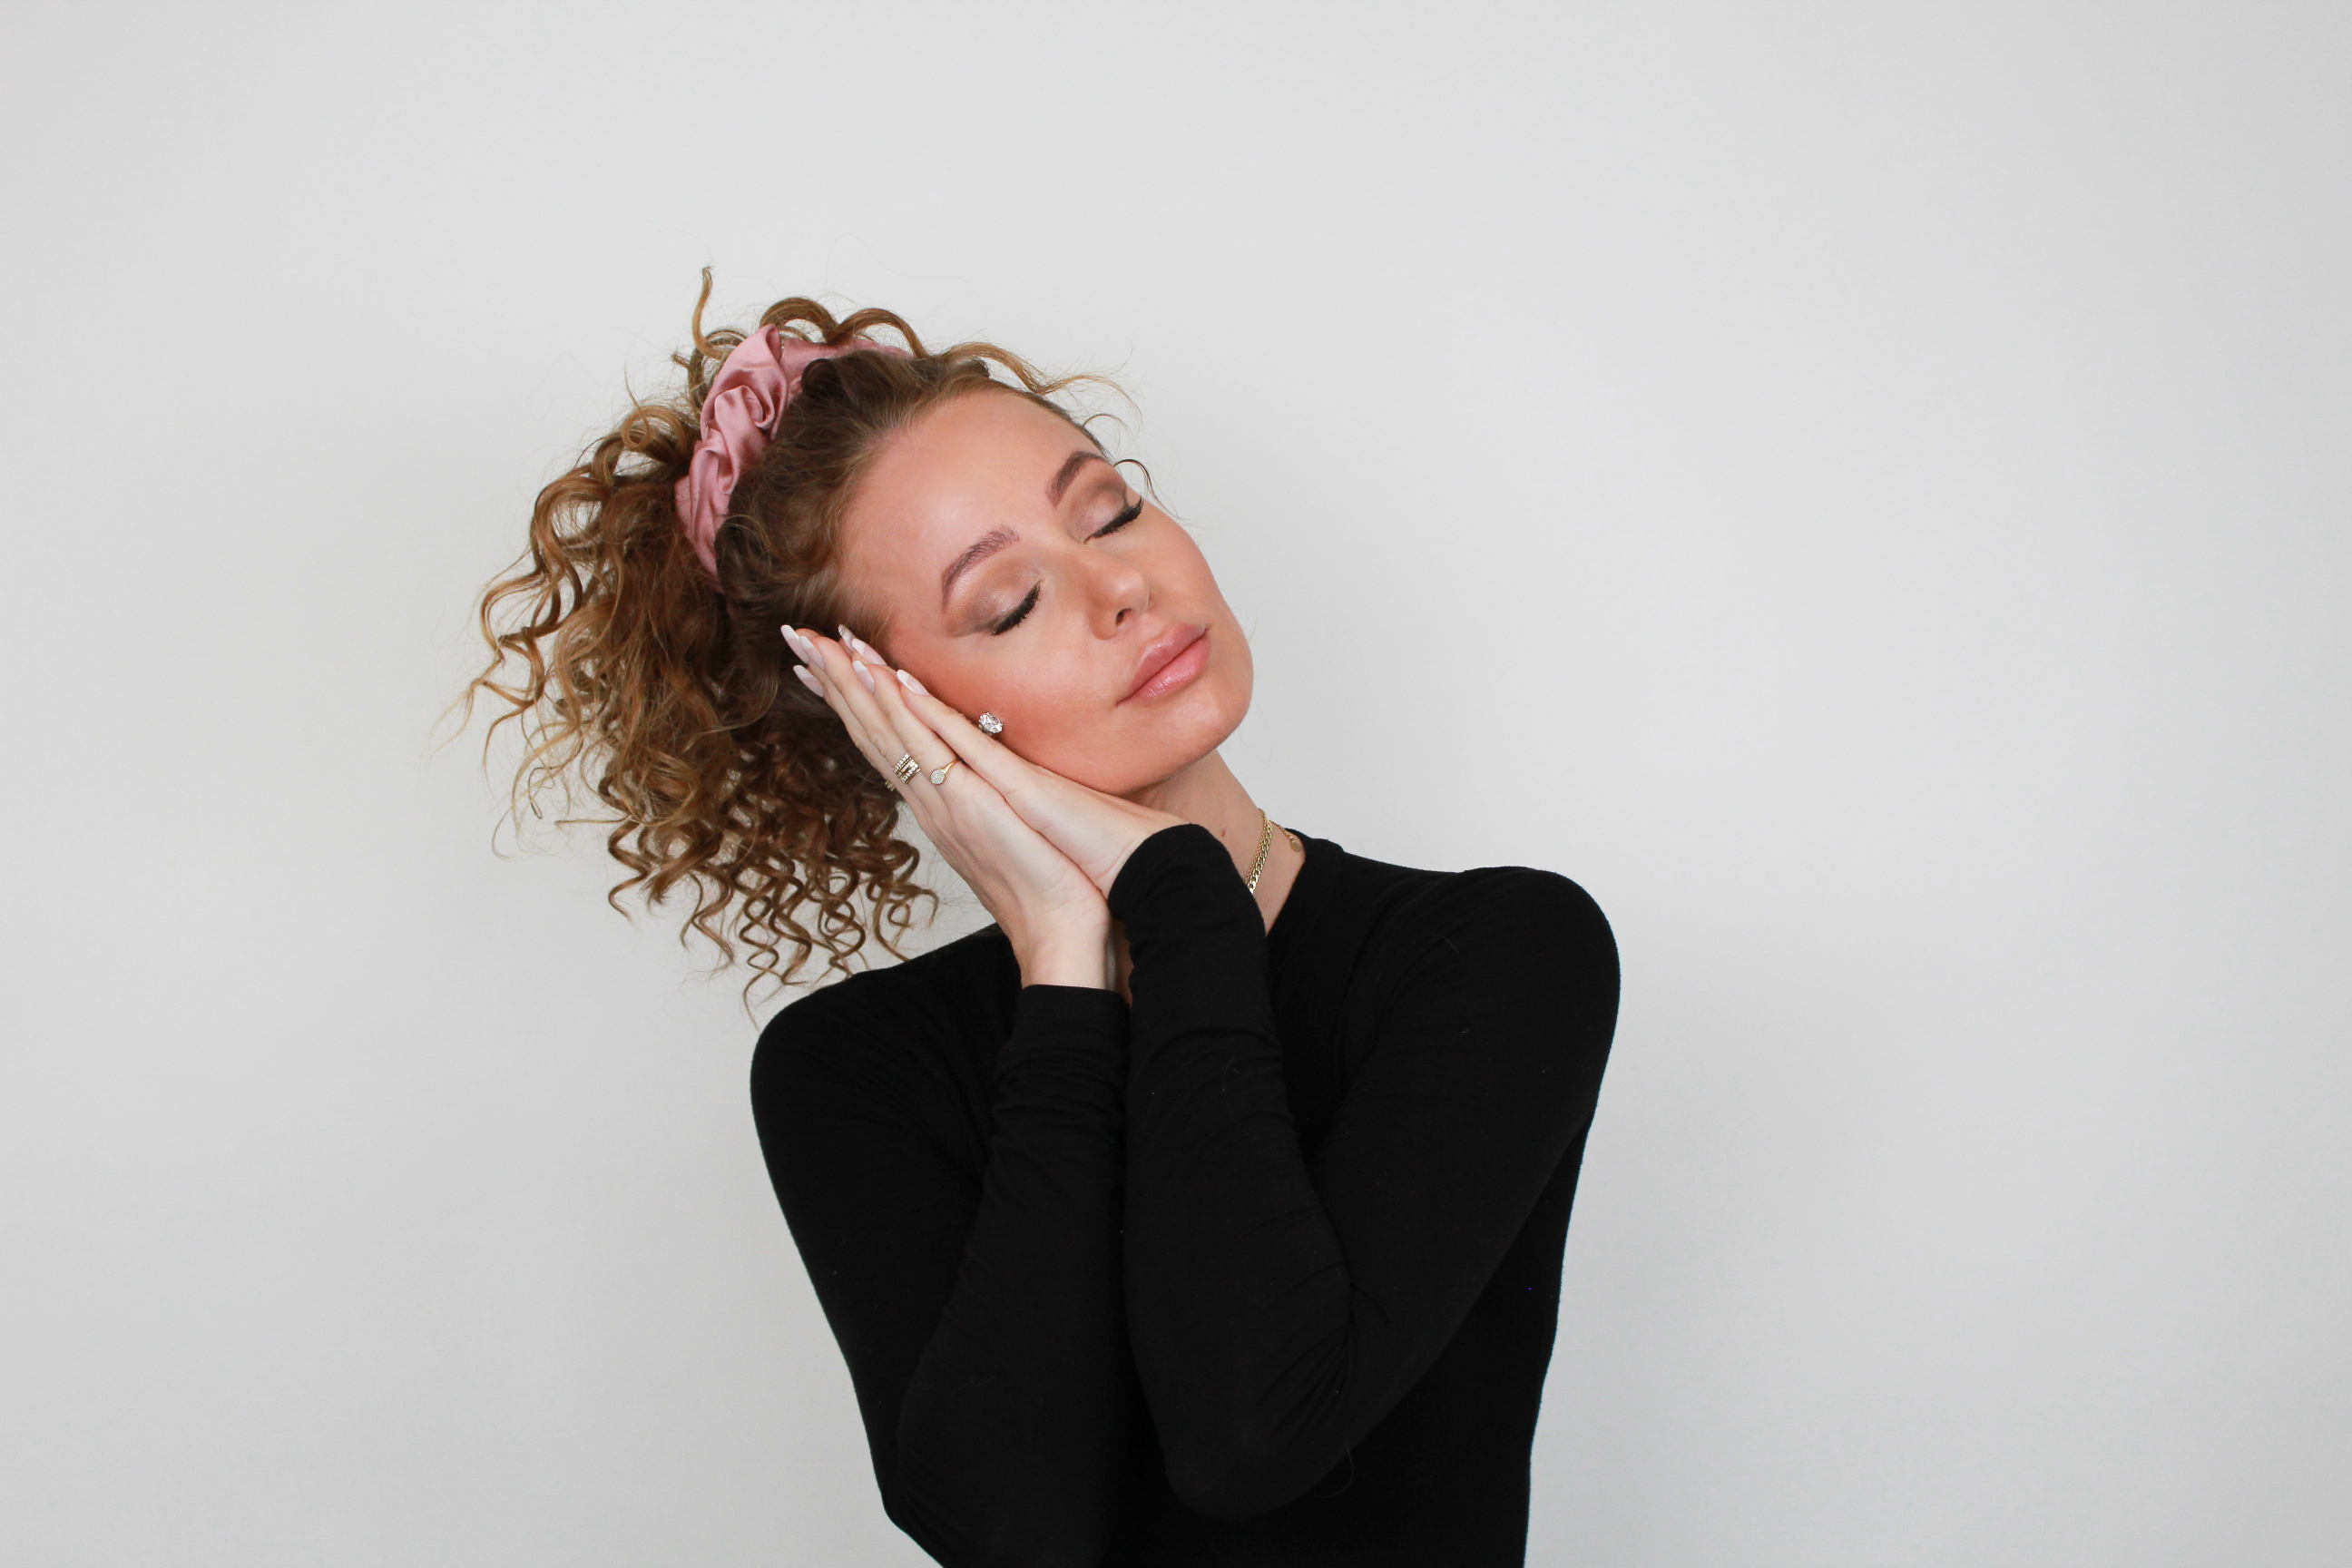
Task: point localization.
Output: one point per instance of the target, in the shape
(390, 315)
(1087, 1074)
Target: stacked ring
(907, 767)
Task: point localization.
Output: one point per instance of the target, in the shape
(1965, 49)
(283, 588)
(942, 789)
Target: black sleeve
(1279, 1309)
(981, 1321)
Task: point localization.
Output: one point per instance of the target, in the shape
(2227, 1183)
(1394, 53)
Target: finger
(952, 803)
(822, 678)
(839, 686)
(870, 695)
(909, 696)
(982, 753)
(891, 692)
(916, 719)
(1013, 776)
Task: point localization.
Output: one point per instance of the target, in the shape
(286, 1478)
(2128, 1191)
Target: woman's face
(1019, 575)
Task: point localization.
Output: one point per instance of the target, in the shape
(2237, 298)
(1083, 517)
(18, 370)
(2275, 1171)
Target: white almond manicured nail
(807, 680)
(864, 676)
(910, 683)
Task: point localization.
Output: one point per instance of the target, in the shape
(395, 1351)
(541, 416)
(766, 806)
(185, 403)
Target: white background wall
(1861, 488)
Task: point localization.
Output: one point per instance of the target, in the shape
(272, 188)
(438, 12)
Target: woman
(1209, 1206)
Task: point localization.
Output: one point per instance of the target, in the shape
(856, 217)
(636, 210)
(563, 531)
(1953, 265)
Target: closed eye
(1132, 510)
(1018, 616)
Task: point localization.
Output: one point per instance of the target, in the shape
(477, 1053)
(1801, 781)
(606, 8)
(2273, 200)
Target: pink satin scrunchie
(754, 385)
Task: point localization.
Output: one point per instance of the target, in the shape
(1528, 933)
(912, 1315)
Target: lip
(1170, 662)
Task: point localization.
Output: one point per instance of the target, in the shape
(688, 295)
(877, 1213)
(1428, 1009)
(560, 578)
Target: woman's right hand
(1051, 912)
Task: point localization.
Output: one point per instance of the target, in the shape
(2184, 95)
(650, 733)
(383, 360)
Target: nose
(1117, 592)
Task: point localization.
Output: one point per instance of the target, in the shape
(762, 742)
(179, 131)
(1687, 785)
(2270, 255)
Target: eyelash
(1132, 510)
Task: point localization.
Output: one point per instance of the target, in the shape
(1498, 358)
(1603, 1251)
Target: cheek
(1181, 566)
(1058, 702)
(1058, 716)
(1037, 710)
(948, 673)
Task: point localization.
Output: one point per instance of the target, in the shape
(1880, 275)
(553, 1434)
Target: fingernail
(865, 674)
(807, 680)
(910, 683)
(848, 637)
(799, 644)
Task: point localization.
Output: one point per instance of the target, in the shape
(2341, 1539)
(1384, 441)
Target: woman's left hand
(1096, 831)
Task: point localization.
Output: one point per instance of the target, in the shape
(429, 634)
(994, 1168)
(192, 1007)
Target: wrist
(1068, 958)
(1109, 877)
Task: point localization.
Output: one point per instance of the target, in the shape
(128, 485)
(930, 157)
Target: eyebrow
(977, 550)
(1070, 466)
(997, 537)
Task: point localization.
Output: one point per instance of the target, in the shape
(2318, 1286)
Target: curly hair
(670, 695)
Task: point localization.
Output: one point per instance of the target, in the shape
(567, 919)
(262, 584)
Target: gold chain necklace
(1265, 842)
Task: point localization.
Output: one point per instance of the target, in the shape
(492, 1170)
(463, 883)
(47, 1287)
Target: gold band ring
(939, 775)
(907, 767)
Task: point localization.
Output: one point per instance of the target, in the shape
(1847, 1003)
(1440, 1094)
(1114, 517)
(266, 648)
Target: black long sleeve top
(1262, 1269)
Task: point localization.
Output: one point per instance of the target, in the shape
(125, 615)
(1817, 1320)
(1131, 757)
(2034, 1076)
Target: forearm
(1279, 1309)
(1008, 1433)
(1237, 1291)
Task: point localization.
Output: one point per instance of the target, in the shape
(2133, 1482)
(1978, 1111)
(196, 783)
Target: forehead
(976, 462)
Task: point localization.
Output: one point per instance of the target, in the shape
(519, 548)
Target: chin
(1184, 734)
(1148, 749)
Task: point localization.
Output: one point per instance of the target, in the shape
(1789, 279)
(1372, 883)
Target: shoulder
(1518, 905)
(882, 1026)
(1516, 924)
(1521, 902)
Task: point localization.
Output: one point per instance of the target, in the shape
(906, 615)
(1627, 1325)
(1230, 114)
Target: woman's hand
(1096, 831)
(1050, 909)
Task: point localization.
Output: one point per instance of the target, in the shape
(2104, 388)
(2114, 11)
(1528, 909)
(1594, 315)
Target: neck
(1207, 792)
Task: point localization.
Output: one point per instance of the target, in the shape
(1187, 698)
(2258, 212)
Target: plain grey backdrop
(1862, 489)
